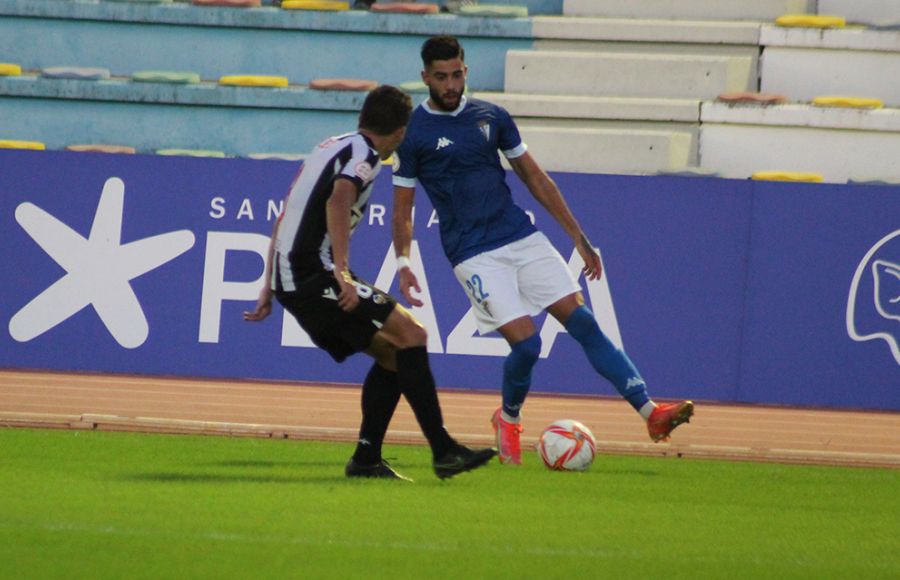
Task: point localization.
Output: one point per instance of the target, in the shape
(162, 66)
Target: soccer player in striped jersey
(509, 269)
(308, 271)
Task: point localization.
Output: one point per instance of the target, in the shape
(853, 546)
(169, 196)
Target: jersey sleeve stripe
(403, 181)
(516, 152)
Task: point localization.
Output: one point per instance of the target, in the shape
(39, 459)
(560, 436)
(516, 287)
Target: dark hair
(385, 110)
(442, 47)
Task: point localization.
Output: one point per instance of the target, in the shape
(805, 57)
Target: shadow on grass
(251, 463)
(254, 471)
(176, 477)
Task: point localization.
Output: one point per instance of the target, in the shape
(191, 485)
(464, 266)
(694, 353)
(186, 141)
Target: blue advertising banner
(718, 289)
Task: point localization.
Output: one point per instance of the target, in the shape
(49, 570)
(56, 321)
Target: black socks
(417, 384)
(380, 394)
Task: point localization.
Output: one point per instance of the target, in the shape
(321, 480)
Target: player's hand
(263, 306)
(408, 281)
(593, 269)
(348, 299)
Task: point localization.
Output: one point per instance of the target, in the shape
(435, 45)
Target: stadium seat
(192, 152)
(327, 5)
(787, 176)
(99, 148)
(752, 97)
(228, 3)
(9, 69)
(254, 81)
(688, 172)
(848, 102)
(811, 21)
(413, 87)
(890, 25)
(76, 72)
(278, 156)
(161, 76)
(342, 84)
(13, 144)
(406, 8)
(494, 10)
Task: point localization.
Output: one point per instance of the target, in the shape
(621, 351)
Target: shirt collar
(462, 105)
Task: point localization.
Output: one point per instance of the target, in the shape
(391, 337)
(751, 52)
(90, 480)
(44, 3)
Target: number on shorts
(475, 288)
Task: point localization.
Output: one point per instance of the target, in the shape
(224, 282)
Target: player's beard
(441, 103)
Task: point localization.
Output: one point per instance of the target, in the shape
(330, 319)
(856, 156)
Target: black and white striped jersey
(302, 245)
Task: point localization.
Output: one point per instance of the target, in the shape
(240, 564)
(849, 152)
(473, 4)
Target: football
(567, 445)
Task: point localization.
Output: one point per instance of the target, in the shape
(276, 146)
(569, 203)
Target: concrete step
(624, 35)
(586, 107)
(626, 74)
(840, 144)
(645, 30)
(804, 63)
(581, 150)
(688, 9)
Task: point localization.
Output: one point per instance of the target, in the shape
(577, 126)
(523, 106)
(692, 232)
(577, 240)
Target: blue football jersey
(455, 156)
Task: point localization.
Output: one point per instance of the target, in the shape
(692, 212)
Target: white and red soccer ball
(567, 445)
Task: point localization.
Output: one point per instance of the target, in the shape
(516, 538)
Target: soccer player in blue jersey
(451, 149)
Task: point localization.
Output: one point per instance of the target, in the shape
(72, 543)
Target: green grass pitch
(115, 505)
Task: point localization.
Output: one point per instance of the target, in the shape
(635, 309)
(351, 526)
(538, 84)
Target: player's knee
(418, 335)
(413, 334)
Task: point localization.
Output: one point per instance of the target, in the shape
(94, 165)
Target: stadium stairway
(632, 84)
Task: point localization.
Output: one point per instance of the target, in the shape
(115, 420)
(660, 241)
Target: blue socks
(517, 373)
(609, 361)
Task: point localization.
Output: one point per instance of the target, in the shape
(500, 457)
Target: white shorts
(519, 279)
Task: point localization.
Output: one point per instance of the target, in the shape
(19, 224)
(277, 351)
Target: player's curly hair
(443, 47)
(385, 110)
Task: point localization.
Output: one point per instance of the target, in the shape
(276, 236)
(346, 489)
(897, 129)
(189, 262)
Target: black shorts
(341, 334)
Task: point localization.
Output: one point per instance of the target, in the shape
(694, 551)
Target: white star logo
(98, 268)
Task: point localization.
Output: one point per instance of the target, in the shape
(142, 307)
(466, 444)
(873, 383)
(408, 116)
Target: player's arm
(545, 190)
(264, 302)
(337, 211)
(402, 230)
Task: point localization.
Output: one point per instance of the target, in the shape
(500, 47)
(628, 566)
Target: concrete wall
(866, 11)
(839, 144)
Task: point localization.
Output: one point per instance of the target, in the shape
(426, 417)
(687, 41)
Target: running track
(331, 412)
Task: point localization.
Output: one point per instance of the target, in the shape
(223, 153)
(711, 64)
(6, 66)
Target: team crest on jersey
(363, 170)
(485, 129)
(395, 166)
